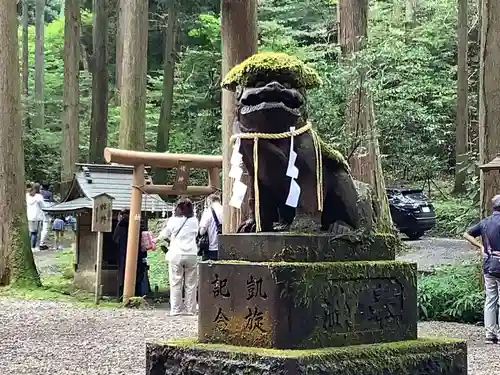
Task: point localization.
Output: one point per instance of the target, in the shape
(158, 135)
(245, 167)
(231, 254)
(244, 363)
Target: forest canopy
(411, 75)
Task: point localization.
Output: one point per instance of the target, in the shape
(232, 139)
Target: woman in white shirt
(181, 231)
(34, 205)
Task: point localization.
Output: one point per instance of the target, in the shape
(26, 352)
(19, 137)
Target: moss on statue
(266, 66)
(321, 338)
(308, 247)
(329, 152)
(421, 345)
(317, 281)
(301, 293)
(415, 357)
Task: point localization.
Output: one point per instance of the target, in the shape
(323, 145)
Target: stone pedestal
(289, 247)
(307, 304)
(416, 357)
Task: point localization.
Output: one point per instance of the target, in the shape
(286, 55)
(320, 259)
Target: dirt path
(431, 252)
(53, 338)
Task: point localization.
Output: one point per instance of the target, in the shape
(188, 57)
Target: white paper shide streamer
(292, 171)
(239, 188)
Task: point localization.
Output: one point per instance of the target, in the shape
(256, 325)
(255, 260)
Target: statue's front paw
(339, 228)
(281, 227)
(248, 226)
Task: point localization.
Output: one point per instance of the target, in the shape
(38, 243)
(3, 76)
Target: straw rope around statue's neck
(288, 134)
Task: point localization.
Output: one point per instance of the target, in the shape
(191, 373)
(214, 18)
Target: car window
(416, 195)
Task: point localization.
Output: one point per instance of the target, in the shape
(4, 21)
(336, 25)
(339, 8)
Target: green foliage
(21, 267)
(43, 145)
(452, 293)
(57, 285)
(412, 79)
(56, 273)
(333, 154)
(411, 75)
(454, 215)
(53, 9)
(158, 271)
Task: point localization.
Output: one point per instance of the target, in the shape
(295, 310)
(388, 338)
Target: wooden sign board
(182, 177)
(102, 213)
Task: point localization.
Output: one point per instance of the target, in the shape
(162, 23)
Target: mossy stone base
(292, 247)
(306, 305)
(416, 357)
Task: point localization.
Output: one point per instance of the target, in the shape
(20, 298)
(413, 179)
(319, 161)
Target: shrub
(452, 293)
(454, 216)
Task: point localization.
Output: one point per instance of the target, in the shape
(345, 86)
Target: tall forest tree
(410, 13)
(118, 50)
(353, 34)
(135, 25)
(25, 50)
(163, 132)
(360, 118)
(489, 100)
(39, 64)
(239, 41)
(71, 118)
(17, 266)
(462, 117)
(100, 77)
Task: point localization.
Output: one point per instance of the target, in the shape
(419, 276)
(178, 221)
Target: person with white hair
(489, 231)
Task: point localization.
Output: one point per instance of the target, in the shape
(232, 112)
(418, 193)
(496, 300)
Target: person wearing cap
(489, 231)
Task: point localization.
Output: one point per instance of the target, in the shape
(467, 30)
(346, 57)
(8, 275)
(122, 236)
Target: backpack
(147, 241)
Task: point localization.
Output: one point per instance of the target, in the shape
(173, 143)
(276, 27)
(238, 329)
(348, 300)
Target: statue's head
(270, 92)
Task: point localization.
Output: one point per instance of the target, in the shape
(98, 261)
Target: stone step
(291, 247)
(307, 305)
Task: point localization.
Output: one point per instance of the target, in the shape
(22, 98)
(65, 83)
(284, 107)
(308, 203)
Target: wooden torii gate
(182, 162)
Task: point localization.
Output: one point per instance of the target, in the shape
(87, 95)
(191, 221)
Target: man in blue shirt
(489, 231)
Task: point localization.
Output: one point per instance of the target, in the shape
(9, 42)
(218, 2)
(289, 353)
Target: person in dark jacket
(489, 231)
(120, 237)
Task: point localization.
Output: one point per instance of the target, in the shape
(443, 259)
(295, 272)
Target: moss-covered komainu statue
(270, 98)
(293, 301)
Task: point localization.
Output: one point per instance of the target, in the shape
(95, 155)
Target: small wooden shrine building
(89, 181)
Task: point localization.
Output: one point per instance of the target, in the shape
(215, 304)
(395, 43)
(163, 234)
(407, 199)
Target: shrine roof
(91, 180)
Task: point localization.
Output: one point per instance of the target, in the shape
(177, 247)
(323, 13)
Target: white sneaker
(35, 249)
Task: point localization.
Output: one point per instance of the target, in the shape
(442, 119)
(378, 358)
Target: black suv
(411, 212)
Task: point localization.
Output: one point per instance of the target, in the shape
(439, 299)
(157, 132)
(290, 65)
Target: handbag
(203, 243)
(204, 240)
